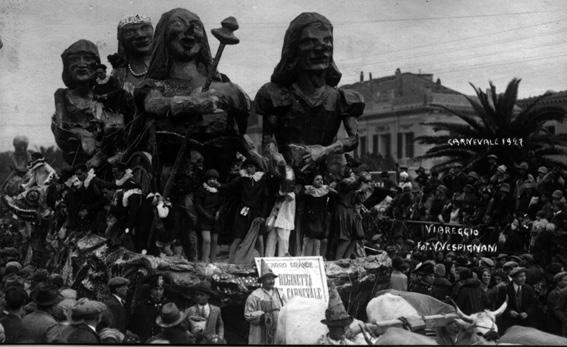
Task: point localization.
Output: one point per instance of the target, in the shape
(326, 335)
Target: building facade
(397, 107)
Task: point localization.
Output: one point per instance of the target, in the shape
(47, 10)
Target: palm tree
(496, 116)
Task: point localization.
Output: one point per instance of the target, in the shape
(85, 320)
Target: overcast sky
(457, 41)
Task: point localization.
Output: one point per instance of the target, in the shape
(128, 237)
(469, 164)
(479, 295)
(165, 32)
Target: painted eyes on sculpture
(178, 27)
(85, 59)
(310, 43)
(145, 29)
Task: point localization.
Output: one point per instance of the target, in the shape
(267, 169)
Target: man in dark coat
(521, 301)
(11, 318)
(210, 313)
(441, 288)
(117, 315)
(170, 320)
(85, 316)
(557, 305)
(424, 283)
(467, 293)
(143, 320)
(41, 319)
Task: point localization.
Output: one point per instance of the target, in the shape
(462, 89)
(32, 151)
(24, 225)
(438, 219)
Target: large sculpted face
(315, 48)
(184, 39)
(82, 67)
(137, 38)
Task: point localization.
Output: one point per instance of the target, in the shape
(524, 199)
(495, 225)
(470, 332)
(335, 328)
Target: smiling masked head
(179, 36)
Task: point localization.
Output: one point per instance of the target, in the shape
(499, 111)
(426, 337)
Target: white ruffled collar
(127, 175)
(256, 177)
(210, 189)
(317, 192)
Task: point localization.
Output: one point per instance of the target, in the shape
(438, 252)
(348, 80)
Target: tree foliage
(496, 116)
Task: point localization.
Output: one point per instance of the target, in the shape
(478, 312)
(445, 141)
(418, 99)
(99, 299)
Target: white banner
(299, 276)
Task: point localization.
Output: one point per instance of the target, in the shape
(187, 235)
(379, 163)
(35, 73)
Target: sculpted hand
(313, 154)
(205, 102)
(514, 314)
(349, 141)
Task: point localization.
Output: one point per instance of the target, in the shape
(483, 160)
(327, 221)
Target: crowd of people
(257, 204)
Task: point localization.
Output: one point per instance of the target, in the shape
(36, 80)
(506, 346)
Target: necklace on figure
(141, 74)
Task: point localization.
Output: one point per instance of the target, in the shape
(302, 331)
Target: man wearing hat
(501, 259)
(11, 318)
(508, 267)
(45, 297)
(425, 276)
(85, 316)
(503, 205)
(524, 181)
(117, 314)
(262, 308)
(204, 311)
(521, 301)
(171, 320)
(557, 305)
(385, 180)
(146, 310)
(437, 204)
(61, 313)
(422, 179)
(541, 173)
(492, 164)
(336, 319)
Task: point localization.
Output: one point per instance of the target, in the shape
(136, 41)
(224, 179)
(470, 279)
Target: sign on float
(299, 276)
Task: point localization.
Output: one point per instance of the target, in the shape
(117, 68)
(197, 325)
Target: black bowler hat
(46, 295)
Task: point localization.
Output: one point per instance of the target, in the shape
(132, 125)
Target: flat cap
(69, 293)
(559, 276)
(85, 307)
(510, 264)
(118, 282)
(489, 262)
(517, 270)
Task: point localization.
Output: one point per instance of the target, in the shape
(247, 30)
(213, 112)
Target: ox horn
(461, 314)
(501, 309)
(366, 335)
(460, 322)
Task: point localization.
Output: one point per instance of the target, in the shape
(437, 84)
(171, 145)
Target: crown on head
(134, 20)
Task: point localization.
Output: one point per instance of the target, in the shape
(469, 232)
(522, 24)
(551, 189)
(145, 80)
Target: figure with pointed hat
(336, 319)
(263, 307)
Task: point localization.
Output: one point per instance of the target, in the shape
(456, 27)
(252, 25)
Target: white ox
(299, 322)
(531, 337)
(389, 306)
(467, 329)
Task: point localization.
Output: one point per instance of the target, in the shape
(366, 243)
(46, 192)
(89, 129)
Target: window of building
(375, 144)
(400, 145)
(362, 144)
(386, 145)
(409, 145)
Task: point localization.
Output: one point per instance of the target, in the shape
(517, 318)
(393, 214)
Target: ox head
(481, 323)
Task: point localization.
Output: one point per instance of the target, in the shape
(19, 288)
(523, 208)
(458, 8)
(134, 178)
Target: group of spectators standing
(39, 308)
